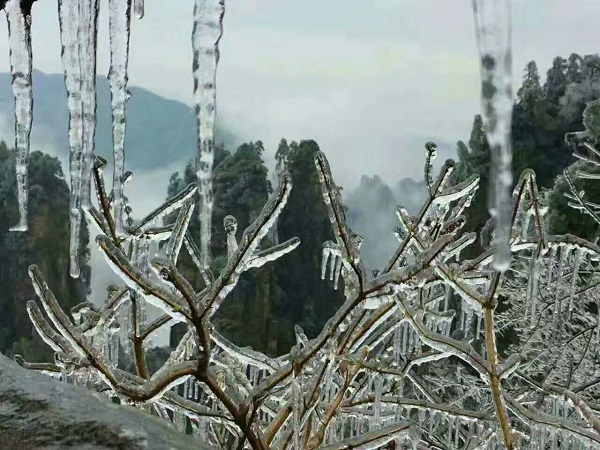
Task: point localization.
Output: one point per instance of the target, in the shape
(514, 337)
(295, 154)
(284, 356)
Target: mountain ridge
(159, 129)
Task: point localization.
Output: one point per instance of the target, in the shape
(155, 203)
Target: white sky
(370, 81)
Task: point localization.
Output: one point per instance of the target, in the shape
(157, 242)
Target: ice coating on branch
(19, 39)
(493, 28)
(206, 33)
(119, 31)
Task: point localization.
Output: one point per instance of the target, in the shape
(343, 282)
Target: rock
(38, 412)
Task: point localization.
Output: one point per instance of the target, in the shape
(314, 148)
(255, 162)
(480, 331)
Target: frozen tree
(411, 357)
(434, 351)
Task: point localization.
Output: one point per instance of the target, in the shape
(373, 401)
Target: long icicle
(78, 32)
(88, 41)
(207, 31)
(119, 31)
(493, 27)
(19, 37)
(69, 20)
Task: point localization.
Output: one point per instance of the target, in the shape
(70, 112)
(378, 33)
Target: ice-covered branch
(248, 244)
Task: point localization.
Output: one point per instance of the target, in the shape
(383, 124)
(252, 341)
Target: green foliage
(475, 158)
(241, 189)
(44, 244)
(541, 118)
(591, 120)
(266, 304)
(556, 80)
(309, 301)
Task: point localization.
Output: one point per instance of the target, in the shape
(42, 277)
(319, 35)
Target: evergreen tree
(281, 155)
(305, 216)
(583, 87)
(475, 159)
(531, 90)
(241, 188)
(556, 80)
(573, 73)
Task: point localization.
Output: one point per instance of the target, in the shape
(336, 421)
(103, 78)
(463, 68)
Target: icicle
(397, 344)
(574, 276)
(377, 384)
(119, 31)
(19, 41)
(208, 28)
(526, 223)
(180, 421)
(532, 288)
(447, 297)
(69, 18)
(138, 8)
(598, 321)
(186, 389)
(88, 33)
(296, 413)
(551, 258)
(114, 347)
(78, 29)
(493, 27)
(456, 432)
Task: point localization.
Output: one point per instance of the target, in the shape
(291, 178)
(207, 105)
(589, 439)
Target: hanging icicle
(207, 31)
(19, 38)
(88, 36)
(493, 27)
(78, 32)
(138, 8)
(69, 19)
(119, 31)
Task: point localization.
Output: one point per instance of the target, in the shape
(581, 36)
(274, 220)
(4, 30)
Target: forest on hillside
(270, 302)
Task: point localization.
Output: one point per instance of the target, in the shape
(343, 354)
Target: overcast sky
(370, 81)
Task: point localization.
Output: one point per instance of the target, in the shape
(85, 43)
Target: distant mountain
(411, 194)
(371, 213)
(159, 130)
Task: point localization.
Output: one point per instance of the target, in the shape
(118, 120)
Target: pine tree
(531, 90)
(556, 80)
(281, 155)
